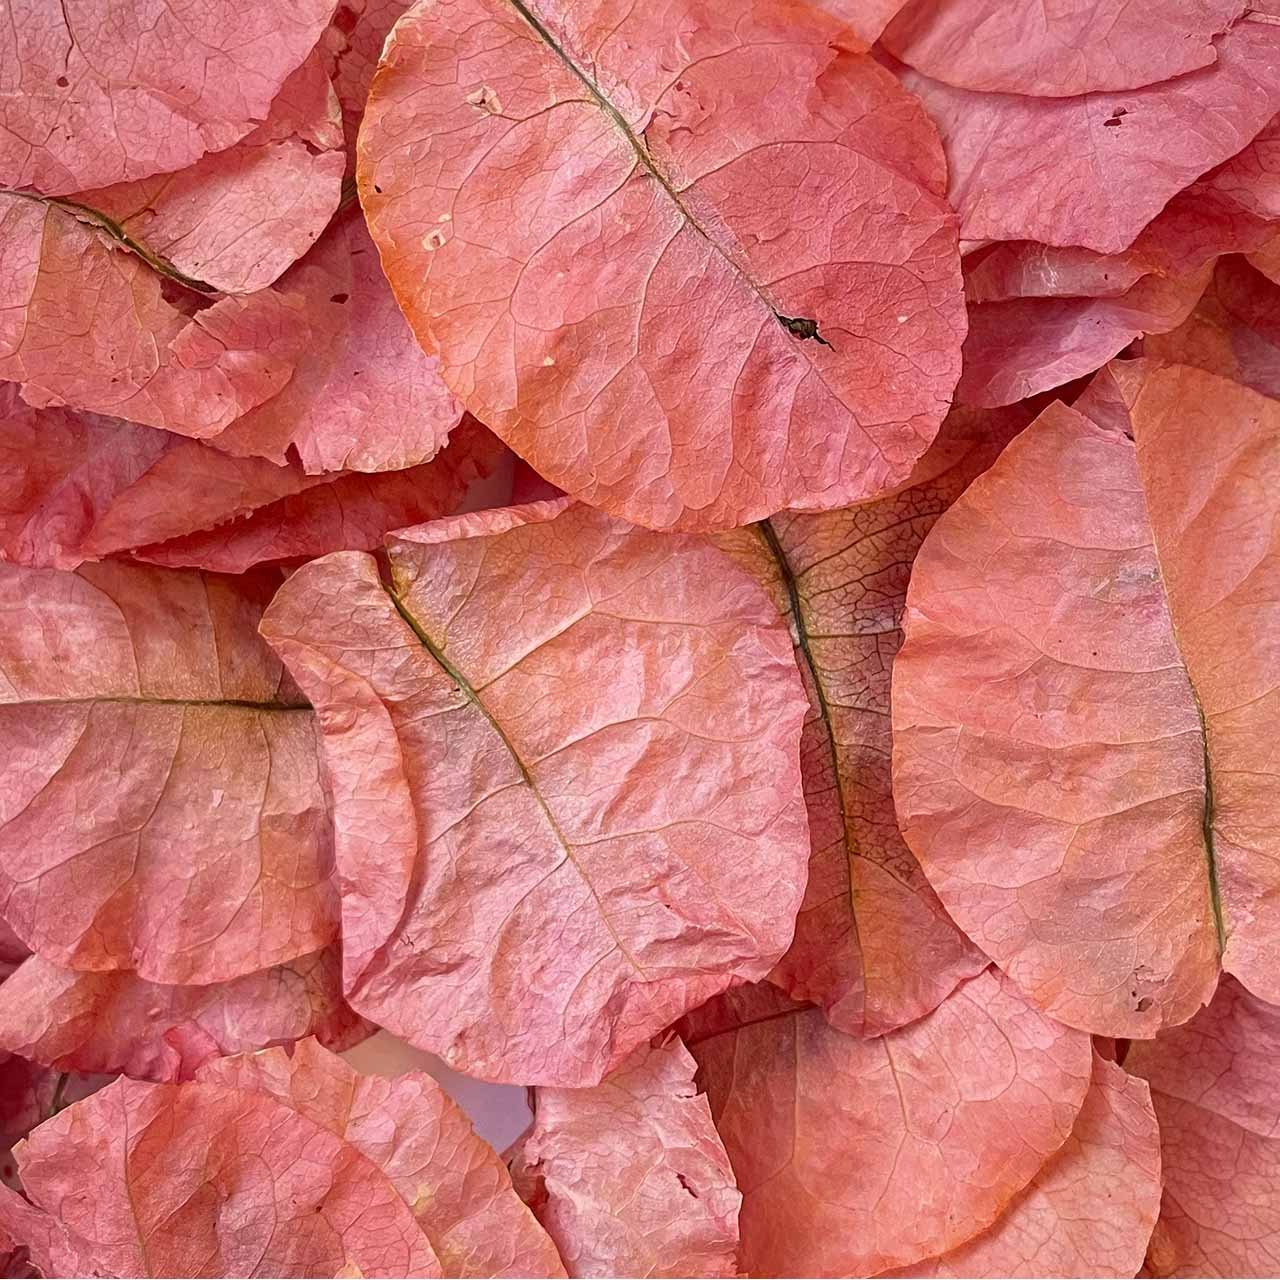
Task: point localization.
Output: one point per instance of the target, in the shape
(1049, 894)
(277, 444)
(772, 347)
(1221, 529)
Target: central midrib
(1207, 815)
(802, 327)
(90, 216)
(802, 646)
(139, 701)
(468, 690)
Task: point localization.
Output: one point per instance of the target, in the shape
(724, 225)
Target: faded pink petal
(87, 325)
(237, 219)
(456, 1184)
(329, 513)
(110, 92)
(873, 944)
(206, 1180)
(45, 1240)
(631, 1177)
(59, 472)
(1083, 756)
(120, 1023)
(622, 776)
(1229, 210)
(1059, 50)
(79, 487)
(867, 19)
(1213, 1084)
(1020, 269)
(1090, 1209)
(1094, 170)
(355, 40)
(1234, 330)
(857, 1155)
(1018, 348)
(1251, 179)
(165, 811)
(651, 346)
(364, 396)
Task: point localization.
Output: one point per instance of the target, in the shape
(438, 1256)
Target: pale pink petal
(630, 1177)
(857, 1155)
(456, 1184)
(620, 714)
(165, 811)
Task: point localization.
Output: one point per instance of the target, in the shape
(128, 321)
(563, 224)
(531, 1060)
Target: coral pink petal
(1213, 1084)
(1234, 330)
(119, 1023)
(455, 1183)
(237, 219)
(622, 773)
(630, 1178)
(594, 264)
(100, 92)
(873, 944)
(346, 512)
(166, 812)
(1061, 50)
(89, 325)
(1082, 763)
(1023, 346)
(1090, 1210)
(208, 1180)
(1094, 170)
(364, 396)
(853, 1155)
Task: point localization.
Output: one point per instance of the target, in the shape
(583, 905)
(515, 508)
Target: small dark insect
(802, 327)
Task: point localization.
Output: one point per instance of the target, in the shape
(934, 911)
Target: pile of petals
(718, 562)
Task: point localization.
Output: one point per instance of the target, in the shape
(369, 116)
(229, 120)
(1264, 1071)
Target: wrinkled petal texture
(1213, 1084)
(1022, 346)
(364, 395)
(346, 512)
(1234, 330)
(692, 263)
(456, 1184)
(76, 487)
(59, 472)
(1230, 210)
(632, 1177)
(1090, 1210)
(564, 755)
(1082, 759)
(873, 944)
(165, 811)
(108, 91)
(854, 1155)
(1267, 259)
(1058, 50)
(87, 325)
(237, 219)
(119, 1023)
(1093, 170)
(206, 1180)
(360, 29)
(867, 19)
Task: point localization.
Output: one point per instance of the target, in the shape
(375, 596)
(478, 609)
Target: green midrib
(802, 327)
(467, 689)
(824, 709)
(127, 701)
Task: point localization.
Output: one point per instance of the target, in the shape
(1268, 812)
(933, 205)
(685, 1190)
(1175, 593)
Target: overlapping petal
(606, 254)
(564, 755)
